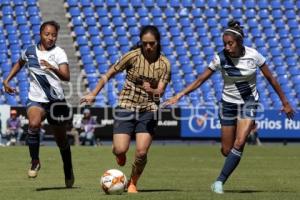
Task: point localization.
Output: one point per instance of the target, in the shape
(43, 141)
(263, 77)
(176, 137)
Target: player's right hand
(9, 89)
(88, 99)
(170, 101)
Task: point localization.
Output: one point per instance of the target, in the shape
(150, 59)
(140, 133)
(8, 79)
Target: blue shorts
(57, 112)
(131, 122)
(230, 112)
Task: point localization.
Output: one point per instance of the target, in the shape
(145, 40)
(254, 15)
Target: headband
(233, 31)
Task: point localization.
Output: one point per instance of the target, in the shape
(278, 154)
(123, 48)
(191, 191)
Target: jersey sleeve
(166, 76)
(23, 55)
(260, 59)
(123, 62)
(62, 57)
(215, 64)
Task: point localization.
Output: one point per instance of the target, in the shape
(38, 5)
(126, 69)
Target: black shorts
(131, 122)
(57, 112)
(230, 112)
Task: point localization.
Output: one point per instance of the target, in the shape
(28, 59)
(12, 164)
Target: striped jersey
(139, 70)
(239, 75)
(45, 85)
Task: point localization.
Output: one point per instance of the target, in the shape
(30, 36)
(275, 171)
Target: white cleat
(217, 187)
(34, 169)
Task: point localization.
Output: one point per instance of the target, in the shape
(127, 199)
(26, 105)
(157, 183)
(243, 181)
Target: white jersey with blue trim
(45, 85)
(239, 75)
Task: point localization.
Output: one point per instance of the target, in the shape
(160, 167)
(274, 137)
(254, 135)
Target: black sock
(230, 164)
(67, 160)
(33, 141)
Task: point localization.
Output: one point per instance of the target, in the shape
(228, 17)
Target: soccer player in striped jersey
(148, 72)
(48, 67)
(238, 65)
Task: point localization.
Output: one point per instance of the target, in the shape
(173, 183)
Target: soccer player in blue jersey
(48, 67)
(238, 65)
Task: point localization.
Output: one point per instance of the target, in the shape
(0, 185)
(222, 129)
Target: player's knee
(34, 125)
(141, 153)
(119, 150)
(225, 151)
(239, 144)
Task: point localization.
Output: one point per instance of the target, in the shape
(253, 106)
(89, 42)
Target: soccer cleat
(69, 182)
(121, 159)
(217, 187)
(35, 167)
(131, 188)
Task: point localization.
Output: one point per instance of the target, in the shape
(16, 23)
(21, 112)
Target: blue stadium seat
(31, 2)
(77, 21)
(35, 20)
(72, 3)
(88, 11)
(131, 21)
(107, 31)
(144, 21)
(290, 14)
(84, 50)
(117, 21)
(142, 12)
(250, 4)
(277, 14)
(196, 13)
(129, 12)
(210, 4)
(81, 40)
(171, 22)
(188, 31)
(109, 40)
(170, 12)
(33, 10)
(210, 13)
(115, 12)
(7, 10)
(91, 21)
(7, 20)
(292, 23)
(123, 3)
(269, 32)
(104, 21)
(174, 31)
(21, 19)
(223, 12)
(79, 30)
(263, 13)
(20, 10)
(87, 59)
(279, 23)
(225, 4)
(101, 12)
(156, 12)
(263, 4)
(120, 31)
(93, 30)
(100, 59)
(283, 33)
(237, 13)
(74, 11)
(212, 22)
(85, 3)
(187, 3)
(266, 23)
(158, 21)
(275, 4)
(95, 40)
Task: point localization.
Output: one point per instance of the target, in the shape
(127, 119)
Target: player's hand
(147, 87)
(170, 101)
(46, 65)
(288, 110)
(8, 89)
(89, 99)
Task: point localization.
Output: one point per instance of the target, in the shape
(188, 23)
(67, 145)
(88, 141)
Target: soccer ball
(113, 181)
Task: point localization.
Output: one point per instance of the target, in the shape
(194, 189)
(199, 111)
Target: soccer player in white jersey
(238, 65)
(48, 67)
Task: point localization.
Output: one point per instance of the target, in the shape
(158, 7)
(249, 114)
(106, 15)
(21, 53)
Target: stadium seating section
(191, 34)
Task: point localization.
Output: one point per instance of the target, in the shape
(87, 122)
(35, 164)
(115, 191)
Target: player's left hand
(288, 110)
(46, 65)
(147, 87)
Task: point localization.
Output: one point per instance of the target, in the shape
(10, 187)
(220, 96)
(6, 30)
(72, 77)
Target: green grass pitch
(173, 172)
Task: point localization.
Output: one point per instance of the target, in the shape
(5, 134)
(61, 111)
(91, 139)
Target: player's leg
(35, 115)
(145, 129)
(65, 152)
(121, 142)
(228, 119)
(59, 128)
(124, 124)
(143, 142)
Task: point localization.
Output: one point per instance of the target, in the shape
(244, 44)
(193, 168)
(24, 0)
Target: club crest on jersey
(51, 58)
(250, 63)
(227, 66)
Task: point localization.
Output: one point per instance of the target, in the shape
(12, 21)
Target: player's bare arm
(90, 98)
(193, 86)
(287, 108)
(16, 68)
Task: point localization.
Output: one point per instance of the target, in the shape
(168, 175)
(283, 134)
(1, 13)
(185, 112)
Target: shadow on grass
(54, 188)
(159, 190)
(256, 191)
